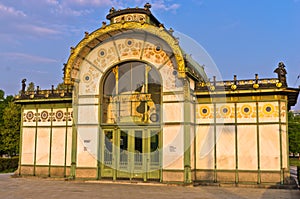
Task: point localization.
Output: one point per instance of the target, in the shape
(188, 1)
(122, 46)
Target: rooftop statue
(280, 70)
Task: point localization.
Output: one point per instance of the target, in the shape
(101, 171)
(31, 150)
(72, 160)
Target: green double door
(130, 154)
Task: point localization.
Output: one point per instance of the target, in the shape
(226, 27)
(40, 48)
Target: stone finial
(281, 72)
(103, 24)
(112, 10)
(86, 34)
(171, 31)
(23, 85)
(72, 49)
(214, 80)
(147, 6)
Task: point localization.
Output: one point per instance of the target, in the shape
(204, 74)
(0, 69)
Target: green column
(35, 140)
(280, 143)
(21, 139)
(187, 134)
(258, 146)
(236, 145)
(74, 132)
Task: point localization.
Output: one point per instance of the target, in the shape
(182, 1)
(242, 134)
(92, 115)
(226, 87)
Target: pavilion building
(137, 107)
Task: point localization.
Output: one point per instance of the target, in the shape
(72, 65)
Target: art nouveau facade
(138, 108)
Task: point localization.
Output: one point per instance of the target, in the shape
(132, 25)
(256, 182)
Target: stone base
(173, 176)
(90, 173)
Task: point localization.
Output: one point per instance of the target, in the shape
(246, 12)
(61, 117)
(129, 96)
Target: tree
(10, 129)
(294, 133)
(62, 86)
(30, 86)
(10, 116)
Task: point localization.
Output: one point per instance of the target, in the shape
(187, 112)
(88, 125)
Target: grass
(294, 162)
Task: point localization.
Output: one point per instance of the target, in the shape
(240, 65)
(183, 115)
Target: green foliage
(10, 129)
(30, 86)
(295, 162)
(10, 118)
(9, 164)
(62, 86)
(294, 133)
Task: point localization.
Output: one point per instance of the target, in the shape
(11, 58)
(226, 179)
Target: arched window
(131, 94)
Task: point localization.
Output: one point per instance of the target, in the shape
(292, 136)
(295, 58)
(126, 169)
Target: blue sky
(243, 37)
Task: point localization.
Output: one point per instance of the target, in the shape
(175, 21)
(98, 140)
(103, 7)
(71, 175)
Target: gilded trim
(115, 28)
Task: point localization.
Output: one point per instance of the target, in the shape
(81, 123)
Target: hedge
(9, 164)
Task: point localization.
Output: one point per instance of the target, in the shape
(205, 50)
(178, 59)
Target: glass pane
(123, 150)
(138, 141)
(154, 141)
(137, 99)
(108, 147)
(124, 141)
(108, 140)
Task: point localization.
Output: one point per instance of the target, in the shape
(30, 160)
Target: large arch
(90, 41)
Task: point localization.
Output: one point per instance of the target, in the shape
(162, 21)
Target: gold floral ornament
(233, 87)
(278, 84)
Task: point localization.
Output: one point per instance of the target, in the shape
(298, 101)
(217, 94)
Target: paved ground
(31, 188)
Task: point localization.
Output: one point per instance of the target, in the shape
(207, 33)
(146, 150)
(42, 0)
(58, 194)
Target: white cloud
(26, 57)
(11, 11)
(89, 3)
(37, 30)
(161, 5)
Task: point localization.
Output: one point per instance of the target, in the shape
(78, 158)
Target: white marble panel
(88, 100)
(87, 145)
(173, 112)
(284, 147)
(28, 142)
(88, 114)
(43, 146)
(247, 147)
(69, 146)
(173, 147)
(205, 147)
(174, 97)
(225, 147)
(58, 146)
(269, 147)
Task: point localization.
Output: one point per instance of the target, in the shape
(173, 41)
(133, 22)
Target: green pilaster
(236, 145)
(74, 151)
(50, 145)
(21, 140)
(74, 133)
(280, 143)
(146, 153)
(99, 155)
(35, 141)
(66, 144)
(258, 146)
(187, 134)
(115, 151)
(215, 142)
(287, 136)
